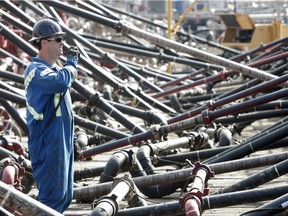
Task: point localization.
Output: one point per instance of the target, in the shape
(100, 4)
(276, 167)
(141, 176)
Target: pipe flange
(110, 200)
(192, 195)
(118, 26)
(209, 172)
(211, 105)
(206, 116)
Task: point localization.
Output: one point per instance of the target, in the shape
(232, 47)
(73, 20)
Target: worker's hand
(73, 56)
(73, 50)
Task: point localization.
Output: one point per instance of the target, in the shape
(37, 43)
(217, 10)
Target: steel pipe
(184, 174)
(214, 201)
(193, 200)
(162, 41)
(26, 205)
(258, 178)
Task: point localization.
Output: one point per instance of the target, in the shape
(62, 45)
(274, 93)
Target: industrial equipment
(243, 34)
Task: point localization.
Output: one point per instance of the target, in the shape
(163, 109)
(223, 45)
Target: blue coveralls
(51, 147)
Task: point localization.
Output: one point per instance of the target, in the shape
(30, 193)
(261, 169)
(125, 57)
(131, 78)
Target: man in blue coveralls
(49, 115)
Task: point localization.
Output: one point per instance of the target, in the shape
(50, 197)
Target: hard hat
(44, 28)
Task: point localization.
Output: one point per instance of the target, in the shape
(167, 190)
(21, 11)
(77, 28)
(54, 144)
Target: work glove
(73, 56)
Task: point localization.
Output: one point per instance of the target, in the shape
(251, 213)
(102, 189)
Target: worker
(49, 115)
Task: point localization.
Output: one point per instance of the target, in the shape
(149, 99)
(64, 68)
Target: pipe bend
(225, 137)
(116, 162)
(156, 191)
(143, 155)
(8, 175)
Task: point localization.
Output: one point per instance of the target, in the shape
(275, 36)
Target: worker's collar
(39, 60)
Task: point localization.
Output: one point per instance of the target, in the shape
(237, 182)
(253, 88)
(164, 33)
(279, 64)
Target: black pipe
(224, 135)
(13, 89)
(184, 174)
(212, 202)
(258, 178)
(119, 161)
(17, 200)
(96, 127)
(257, 142)
(12, 76)
(268, 130)
(251, 117)
(106, 57)
(150, 117)
(276, 105)
(14, 114)
(198, 155)
(278, 205)
(87, 173)
(17, 12)
(17, 40)
(107, 43)
(96, 100)
(9, 18)
(101, 73)
(143, 156)
(127, 48)
(16, 60)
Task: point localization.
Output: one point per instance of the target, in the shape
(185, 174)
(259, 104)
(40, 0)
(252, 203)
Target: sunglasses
(58, 40)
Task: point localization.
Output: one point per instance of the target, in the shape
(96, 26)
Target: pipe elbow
(117, 161)
(8, 175)
(225, 137)
(143, 152)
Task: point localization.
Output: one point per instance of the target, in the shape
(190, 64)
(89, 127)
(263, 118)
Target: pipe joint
(159, 133)
(211, 105)
(207, 117)
(18, 171)
(129, 158)
(118, 26)
(197, 196)
(95, 99)
(198, 166)
(223, 135)
(197, 139)
(108, 203)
